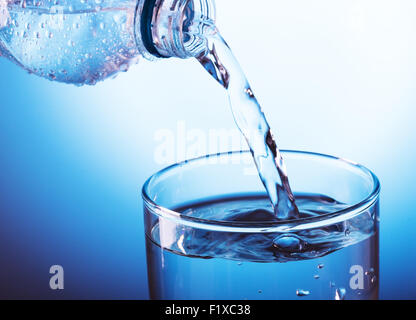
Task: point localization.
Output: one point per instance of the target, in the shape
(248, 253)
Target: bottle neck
(173, 28)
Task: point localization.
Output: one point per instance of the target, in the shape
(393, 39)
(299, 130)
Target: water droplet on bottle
(124, 67)
(239, 263)
(50, 35)
(340, 294)
(289, 243)
(373, 279)
(119, 19)
(260, 291)
(302, 293)
(102, 25)
(347, 232)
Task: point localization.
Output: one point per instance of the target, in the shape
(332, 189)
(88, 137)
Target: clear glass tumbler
(208, 234)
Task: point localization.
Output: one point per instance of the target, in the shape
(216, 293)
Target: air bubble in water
(321, 266)
(340, 294)
(369, 272)
(316, 276)
(302, 293)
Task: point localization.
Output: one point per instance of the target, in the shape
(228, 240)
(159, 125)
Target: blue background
(333, 77)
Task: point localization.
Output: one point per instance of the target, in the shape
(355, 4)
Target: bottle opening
(173, 28)
(146, 27)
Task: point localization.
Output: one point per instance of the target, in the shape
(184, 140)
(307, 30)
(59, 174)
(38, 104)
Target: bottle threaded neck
(173, 28)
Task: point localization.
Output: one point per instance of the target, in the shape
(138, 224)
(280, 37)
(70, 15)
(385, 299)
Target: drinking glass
(195, 253)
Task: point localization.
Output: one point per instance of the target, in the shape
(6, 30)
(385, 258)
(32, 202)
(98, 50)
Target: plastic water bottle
(85, 41)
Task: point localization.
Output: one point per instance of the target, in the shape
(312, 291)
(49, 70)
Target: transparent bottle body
(78, 42)
(86, 41)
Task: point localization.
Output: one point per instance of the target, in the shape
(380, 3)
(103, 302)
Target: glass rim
(265, 226)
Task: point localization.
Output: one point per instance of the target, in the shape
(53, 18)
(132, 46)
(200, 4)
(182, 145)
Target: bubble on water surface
(289, 243)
